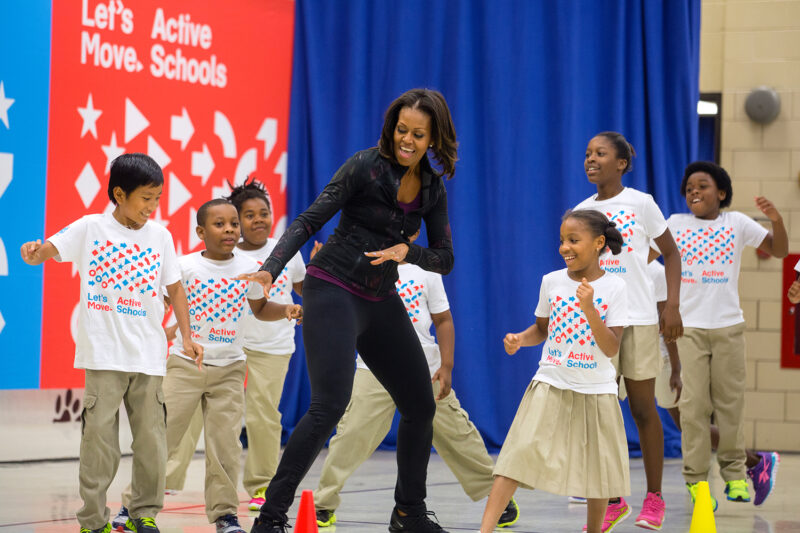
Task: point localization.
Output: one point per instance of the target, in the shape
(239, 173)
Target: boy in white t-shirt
(217, 305)
(123, 261)
(369, 415)
(711, 243)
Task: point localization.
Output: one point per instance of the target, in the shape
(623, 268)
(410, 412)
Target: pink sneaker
(615, 513)
(652, 515)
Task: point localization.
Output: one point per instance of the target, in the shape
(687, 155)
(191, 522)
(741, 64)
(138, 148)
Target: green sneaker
(737, 490)
(510, 514)
(142, 525)
(692, 488)
(104, 529)
(325, 518)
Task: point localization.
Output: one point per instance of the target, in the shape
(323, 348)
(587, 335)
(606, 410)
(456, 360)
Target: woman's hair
(443, 133)
(597, 224)
(717, 173)
(248, 190)
(624, 148)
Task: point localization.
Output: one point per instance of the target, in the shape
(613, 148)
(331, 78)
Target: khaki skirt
(567, 443)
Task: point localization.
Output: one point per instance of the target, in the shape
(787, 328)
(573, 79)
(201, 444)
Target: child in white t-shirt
(572, 400)
(368, 416)
(217, 306)
(711, 244)
(123, 261)
(638, 218)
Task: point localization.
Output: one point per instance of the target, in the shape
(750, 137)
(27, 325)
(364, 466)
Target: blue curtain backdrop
(528, 83)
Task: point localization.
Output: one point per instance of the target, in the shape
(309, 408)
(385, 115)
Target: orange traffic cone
(703, 515)
(307, 516)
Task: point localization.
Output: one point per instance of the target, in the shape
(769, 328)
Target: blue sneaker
(228, 524)
(120, 521)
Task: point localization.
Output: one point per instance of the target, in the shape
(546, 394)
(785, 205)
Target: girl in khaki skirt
(568, 437)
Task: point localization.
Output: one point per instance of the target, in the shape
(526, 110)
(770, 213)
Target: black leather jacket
(365, 190)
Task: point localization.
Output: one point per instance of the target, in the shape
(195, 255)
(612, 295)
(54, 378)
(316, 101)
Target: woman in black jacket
(350, 303)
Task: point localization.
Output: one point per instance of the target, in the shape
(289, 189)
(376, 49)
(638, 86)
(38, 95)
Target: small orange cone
(703, 515)
(307, 516)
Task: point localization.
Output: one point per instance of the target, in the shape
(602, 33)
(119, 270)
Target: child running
(269, 345)
(123, 260)
(638, 218)
(369, 414)
(761, 466)
(711, 243)
(568, 436)
(216, 305)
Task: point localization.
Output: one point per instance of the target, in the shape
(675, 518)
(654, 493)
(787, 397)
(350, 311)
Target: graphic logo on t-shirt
(410, 292)
(124, 266)
(625, 221)
(216, 300)
(281, 285)
(569, 324)
(706, 246)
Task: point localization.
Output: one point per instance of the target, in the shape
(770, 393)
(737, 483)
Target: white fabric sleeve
(752, 232)
(297, 269)
(254, 291)
(617, 314)
(659, 277)
(543, 306)
(70, 241)
(437, 297)
(654, 222)
(171, 270)
(797, 266)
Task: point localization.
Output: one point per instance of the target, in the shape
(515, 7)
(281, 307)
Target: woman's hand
(262, 277)
(397, 253)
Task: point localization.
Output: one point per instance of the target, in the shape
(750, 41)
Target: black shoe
(510, 514)
(414, 524)
(260, 526)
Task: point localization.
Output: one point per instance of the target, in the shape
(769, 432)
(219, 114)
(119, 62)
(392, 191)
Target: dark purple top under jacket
(364, 189)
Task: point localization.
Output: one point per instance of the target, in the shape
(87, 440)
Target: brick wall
(744, 44)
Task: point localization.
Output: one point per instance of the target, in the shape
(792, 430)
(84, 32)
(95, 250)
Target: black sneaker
(325, 518)
(510, 515)
(414, 524)
(143, 525)
(259, 526)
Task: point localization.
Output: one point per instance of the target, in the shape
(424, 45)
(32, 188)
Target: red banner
(201, 87)
(790, 317)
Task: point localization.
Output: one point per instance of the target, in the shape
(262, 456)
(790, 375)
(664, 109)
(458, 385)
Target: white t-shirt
(273, 337)
(423, 294)
(122, 271)
(657, 273)
(639, 220)
(217, 303)
(570, 357)
(711, 256)
(797, 266)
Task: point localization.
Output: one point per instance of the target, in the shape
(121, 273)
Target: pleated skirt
(567, 443)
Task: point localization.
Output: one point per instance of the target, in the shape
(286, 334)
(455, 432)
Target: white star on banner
(5, 103)
(89, 115)
(112, 151)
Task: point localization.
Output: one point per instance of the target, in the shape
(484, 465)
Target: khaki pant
(266, 374)
(367, 420)
(219, 390)
(100, 453)
(713, 374)
(179, 458)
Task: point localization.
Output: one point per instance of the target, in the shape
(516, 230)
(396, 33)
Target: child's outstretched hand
(585, 295)
(794, 292)
(768, 208)
(193, 350)
(28, 251)
(294, 312)
(512, 343)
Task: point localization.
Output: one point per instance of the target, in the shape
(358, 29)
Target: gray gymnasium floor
(43, 497)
